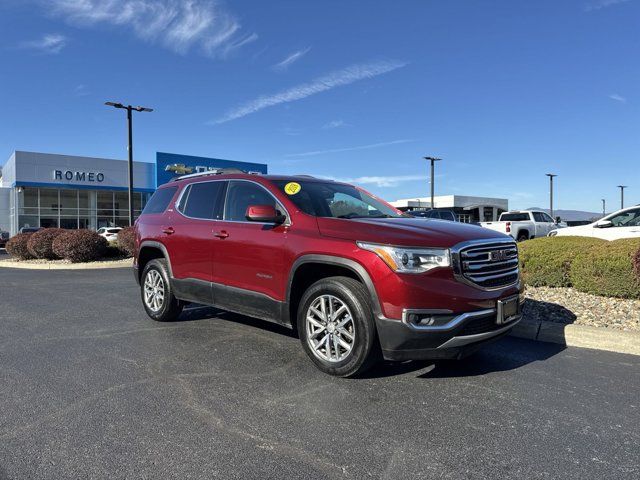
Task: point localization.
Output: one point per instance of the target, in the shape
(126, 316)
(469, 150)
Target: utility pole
(604, 209)
(433, 160)
(551, 175)
(129, 109)
(622, 187)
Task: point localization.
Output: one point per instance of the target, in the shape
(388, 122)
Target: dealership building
(467, 209)
(51, 190)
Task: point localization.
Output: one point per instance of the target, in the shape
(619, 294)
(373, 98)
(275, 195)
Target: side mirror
(264, 214)
(557, 221)
(603, 224)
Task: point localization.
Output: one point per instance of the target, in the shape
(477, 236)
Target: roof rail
(215, 171)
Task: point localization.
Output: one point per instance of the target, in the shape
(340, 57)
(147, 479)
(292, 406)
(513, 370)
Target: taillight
(508, 227)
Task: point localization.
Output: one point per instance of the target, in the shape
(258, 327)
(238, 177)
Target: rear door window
(514, 217)
(203, 200)
(159, 201)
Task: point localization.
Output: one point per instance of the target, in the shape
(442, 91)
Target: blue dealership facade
(68, 191)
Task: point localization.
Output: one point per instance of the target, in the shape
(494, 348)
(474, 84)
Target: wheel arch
(150, 250)
(308, 269)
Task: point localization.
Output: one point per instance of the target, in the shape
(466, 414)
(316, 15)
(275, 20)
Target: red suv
(358, 279)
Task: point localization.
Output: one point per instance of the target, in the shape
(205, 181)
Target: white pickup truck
(523, 224)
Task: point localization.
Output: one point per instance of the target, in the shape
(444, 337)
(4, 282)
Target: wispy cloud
(335, 124)
(175, 24)
(600, 4)
(291, 59)
(617, 98)
(335, 79)
(349, 149)
(81, 90)
(50, 44)
(381, 181)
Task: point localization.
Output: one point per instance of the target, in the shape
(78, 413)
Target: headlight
(409, 260)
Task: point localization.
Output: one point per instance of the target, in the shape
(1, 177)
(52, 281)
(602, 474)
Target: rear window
(514, 217)
(113, 230)
(159, 201)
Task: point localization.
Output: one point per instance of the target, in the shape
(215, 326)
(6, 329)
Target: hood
(414, 232)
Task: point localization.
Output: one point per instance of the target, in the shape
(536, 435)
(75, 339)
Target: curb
(64, 266)
(583, 336)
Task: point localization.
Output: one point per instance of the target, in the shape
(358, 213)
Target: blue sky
(505, 91)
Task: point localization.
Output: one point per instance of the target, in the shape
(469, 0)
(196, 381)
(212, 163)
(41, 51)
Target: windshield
(328, 199)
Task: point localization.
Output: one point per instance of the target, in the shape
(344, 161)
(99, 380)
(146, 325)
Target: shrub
(547, 261)
(80, 246)
(40, 243)
(17, 246)
(636, 264)
(127, 241)
(608, 269)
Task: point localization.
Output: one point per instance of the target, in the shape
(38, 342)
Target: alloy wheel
(330, 328)
(154, 291)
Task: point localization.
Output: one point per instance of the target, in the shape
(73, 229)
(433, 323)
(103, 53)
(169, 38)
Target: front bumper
(461, 336)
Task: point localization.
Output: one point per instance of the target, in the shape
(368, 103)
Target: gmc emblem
(498, 255)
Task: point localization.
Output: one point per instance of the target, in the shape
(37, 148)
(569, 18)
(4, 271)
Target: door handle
(221, 234)
(168, 230)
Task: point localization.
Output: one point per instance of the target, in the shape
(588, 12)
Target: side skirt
(232, 299)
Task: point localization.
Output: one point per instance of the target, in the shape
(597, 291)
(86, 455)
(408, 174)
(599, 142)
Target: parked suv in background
(358, 279)
(438, 214)
(4, 238)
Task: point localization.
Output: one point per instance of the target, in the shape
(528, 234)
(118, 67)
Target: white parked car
(624, 223)
(110, 233)
(523, 224)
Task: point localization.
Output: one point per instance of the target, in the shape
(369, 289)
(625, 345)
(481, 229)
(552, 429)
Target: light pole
(622, 187)
(129, 109)
(604, 209)
(551, 175)
(433, 160)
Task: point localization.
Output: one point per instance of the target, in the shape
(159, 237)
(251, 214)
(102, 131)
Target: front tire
(336, 327)
(157, 294)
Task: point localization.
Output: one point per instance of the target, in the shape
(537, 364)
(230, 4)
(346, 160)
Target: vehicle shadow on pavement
(195, 312)
(506, 354)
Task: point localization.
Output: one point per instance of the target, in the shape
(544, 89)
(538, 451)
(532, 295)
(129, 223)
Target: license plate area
(508, 310)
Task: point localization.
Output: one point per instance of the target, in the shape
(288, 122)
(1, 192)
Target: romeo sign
(71, 175)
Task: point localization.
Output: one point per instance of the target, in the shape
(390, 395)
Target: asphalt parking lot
(92, 388)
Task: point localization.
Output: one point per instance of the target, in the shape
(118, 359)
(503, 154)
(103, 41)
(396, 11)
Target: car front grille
(488, 265)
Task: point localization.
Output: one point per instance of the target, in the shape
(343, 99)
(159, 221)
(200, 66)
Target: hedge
(80, 246)
(127, 241)
(546, 261)
(40, 243)
(608, 269)
(17, 246)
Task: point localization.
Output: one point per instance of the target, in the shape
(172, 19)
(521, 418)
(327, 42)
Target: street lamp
(551, 175)
(622, 187)
(433, 160)
(129, 109)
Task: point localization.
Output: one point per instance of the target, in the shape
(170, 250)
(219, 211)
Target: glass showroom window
(69, 209)
(105, 209)
(49, 207)
(28, 207)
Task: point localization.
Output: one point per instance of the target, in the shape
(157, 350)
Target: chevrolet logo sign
(179, 168)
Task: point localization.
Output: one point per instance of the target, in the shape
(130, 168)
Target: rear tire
(157, 294)
(336, 327)
(522, 236)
